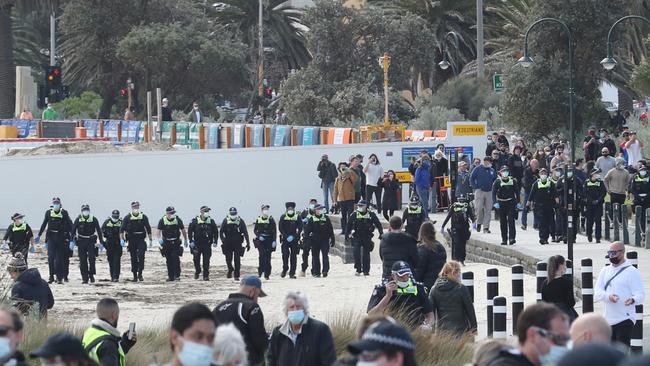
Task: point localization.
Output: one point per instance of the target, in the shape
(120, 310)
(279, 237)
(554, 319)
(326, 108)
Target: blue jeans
(423, 194)
(327, 191)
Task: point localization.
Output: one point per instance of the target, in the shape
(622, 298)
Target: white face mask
(135, 211)
(265, 212)
(361, 209)
(290, 212)
(643, 173)
(19, 222)
(543, 177)
(402, 284)
(505, 174)
(85, 213)
(367, 363)
(311, 206)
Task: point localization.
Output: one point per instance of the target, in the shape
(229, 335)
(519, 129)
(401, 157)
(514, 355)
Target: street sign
(498, 82)
(404, 177)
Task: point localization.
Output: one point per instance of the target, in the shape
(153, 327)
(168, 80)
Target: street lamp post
(609, 62)
(444, 64)
(384, 62)
(527, 61)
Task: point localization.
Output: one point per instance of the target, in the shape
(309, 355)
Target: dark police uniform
(290, 227)
(246, 315)
(305, 215)
(594, 192)
(640, 188)
(171, 247)
(233, 234)
(266, 233)
(86, 231)
(203, 232)
(505, 193)
(111, 230)
(19, 237)
(542, 198)
(460, 215)
(414, 217)
(59, 232)
(411, 302)
(136, 228)
(510, 357)
(320, 233)
(361, 225)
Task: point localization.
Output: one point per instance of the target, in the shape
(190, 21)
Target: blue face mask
(195, 354)
(296, 316)
(5, 348)
(554, 355)
(56, 206)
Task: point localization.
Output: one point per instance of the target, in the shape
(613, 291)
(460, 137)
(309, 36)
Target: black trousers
(560, 222)
(290, 257)
(233, 257)
(507, 220)
(306, 249)
(58, 256)
(321, 248)
(202, 251)
(594, 215)
(265, 249)
(346, 210)
(370, 190)
(137, 249)
(388, 214)
(641, 218)
(361, 252)
(86, 250)
(620, 199)
(173, 259)
(458, 245)
(545, 218)
(114, 255)
(622, 332)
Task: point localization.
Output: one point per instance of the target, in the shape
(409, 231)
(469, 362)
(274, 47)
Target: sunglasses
(557, 339)
(612, 253)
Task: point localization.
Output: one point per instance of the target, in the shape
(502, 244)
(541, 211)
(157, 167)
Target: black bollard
(541, 275)
(499, 318)
(616, 209)
(587, 271)
(569, 270)
(468, 281)
(608, 207)
(636, 342)
(517, 294)
(492, 281)
(647, 228)
(637, 225)
(626, 233)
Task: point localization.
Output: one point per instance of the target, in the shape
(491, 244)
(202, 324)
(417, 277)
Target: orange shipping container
(8, 132)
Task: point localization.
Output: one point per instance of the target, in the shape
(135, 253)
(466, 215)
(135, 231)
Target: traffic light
(54, 76)
(268, 93)
(124, 92)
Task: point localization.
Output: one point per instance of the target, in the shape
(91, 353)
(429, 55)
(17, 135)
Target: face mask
(265, 212)
(554, 355)
(643, 173)
(558, 174)
(361, 209)
(19, 222)
(602, 135)
(135, 212)
(115, 217)
(505, 174)
(290, 212)
(401, 284)
(232, 217)
(615, 260)
(569, 174)
(296, 316)
(56, 206)
(5, 347)
(195, 354)
(85, 213)
(543, 177)
(366, 363)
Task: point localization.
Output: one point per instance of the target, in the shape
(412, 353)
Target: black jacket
(19, 239)
(327, 171)
(234, 232)
(62, 225)
(136, 227)
(413, 219)
(529, 178)
(314, 346)
(516, 166)
(362, 225)
(319, 229)
(511, 357)
(390, 201)
(397, 246)
(29, 289)
(206, 232)
(88, 227)
(430, 263)
(453, 306)
(247, 316)
(111, 232)
(290, 226)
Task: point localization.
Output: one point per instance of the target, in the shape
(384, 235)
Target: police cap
(205, 209)
(362, 203)
(135, 204)
(56, 200)
(318, 207)
(383, 335)
(400, 268)
(85, 207)
(594, 171)
(170, 210)
(290, 205)
(265, 206)
(116, 212)
(17, 216)
(543, 170)
(232, 211)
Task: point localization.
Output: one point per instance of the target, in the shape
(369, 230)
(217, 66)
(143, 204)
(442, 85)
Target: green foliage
(641, 78)
(465, 94)
(85, 106)
(435, 117)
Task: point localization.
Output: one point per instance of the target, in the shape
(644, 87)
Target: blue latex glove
(185, 243)
(71, 245)
(497, 205)
(519, 206)
(37, 239)
(260, 238)
(122, 243)
(274, 244)
(192, 245)
(305, 220)
(161, 242)
(290, 238)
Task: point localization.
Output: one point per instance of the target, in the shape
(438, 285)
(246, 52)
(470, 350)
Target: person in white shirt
(620, 288)
(374, 172)
(634, 149)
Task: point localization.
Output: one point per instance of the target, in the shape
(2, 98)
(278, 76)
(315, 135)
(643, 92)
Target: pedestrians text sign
(498, 82)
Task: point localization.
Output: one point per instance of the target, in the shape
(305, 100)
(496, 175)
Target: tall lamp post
(609, 62)
(444, 64)
(527, 61)
(384, 62)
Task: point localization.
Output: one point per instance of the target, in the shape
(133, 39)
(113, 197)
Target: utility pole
(260, 76)
(479, 39)
(52, 38)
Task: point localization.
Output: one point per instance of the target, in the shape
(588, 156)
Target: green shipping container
(166, 129)
(182, 133)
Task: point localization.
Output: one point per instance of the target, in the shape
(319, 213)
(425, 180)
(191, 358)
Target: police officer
(320, 232)
(361, 225)
(135, 228)
(170, 228)
(640, 188)
(113, 244)
(556, 176)
(59, 231)
(561, 223)
(265, 231)
(19, 236)
(505, 195)
(414, 216)
(460, 214)
(594, 191)
(290, 227)
(202, 232)
(542, 200)
(233, 234)
(402, 296)
(306, 245)
(85, 232)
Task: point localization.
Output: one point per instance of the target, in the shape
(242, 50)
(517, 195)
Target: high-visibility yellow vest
(230, 221)
(201, 221)
(261, 220)
(117, 223)
(509, 182)
(22, 227)
(291, 218)
(411, 289)
(91, 335)
(542, 185)
(593, 184)
(168, 222)
(54, 214)
(90, 218)
(139, 217)
(417, 210)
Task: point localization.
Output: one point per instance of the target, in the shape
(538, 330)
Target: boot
(196, 275)
(92, 279)
(283, 274)
(140, 277)
(135, 278)
(229, 274)
(51, 280)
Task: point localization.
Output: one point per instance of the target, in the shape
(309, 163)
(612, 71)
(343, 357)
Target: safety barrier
(492, 281)
(499, 318)
(517, 298)
(468, 281)
(636, 342)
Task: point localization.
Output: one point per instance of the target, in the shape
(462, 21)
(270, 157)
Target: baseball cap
(383, 335)
(60, 344)
(253, 281)
(400, 268)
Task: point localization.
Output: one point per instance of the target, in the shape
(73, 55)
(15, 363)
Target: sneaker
(229, 274)
(169, 280)
(316, 275)
(486, 231)
(357, 274)
(589, 238)
(84, 282)
(366, 274)
(266, 278)
(206, 278)
(60, 282)
(478, 228)
(504, 243)
(51, 280)
(597, 241)
(292, 276)
(237, 279)
(135, 278)
(66, 280)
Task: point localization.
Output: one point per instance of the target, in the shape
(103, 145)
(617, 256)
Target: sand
(88, 147)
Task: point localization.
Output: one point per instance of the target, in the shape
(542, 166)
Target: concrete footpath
(527, 251)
